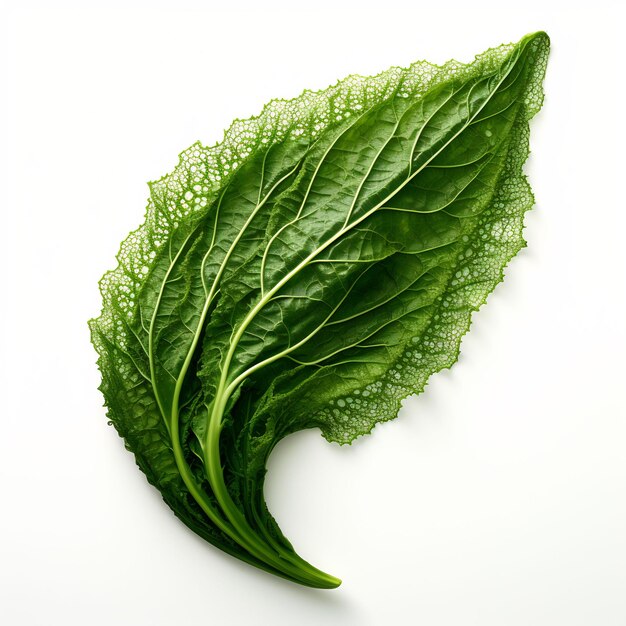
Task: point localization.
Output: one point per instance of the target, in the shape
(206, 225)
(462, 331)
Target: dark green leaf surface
(312, 270)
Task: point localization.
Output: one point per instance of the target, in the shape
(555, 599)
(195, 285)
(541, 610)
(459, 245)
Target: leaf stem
(288, 562)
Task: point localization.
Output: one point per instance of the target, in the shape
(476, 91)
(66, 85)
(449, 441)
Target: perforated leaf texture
(312, 270)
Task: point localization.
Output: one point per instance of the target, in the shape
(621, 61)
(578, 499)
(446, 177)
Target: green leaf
(312, 270)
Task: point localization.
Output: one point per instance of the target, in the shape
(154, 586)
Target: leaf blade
(311, 271)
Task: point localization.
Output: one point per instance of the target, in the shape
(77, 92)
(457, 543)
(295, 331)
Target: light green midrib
(212, 453)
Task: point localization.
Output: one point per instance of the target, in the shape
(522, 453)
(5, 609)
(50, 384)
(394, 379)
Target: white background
(497, 498)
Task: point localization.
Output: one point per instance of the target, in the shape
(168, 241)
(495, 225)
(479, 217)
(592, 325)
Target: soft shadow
(334, 605)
